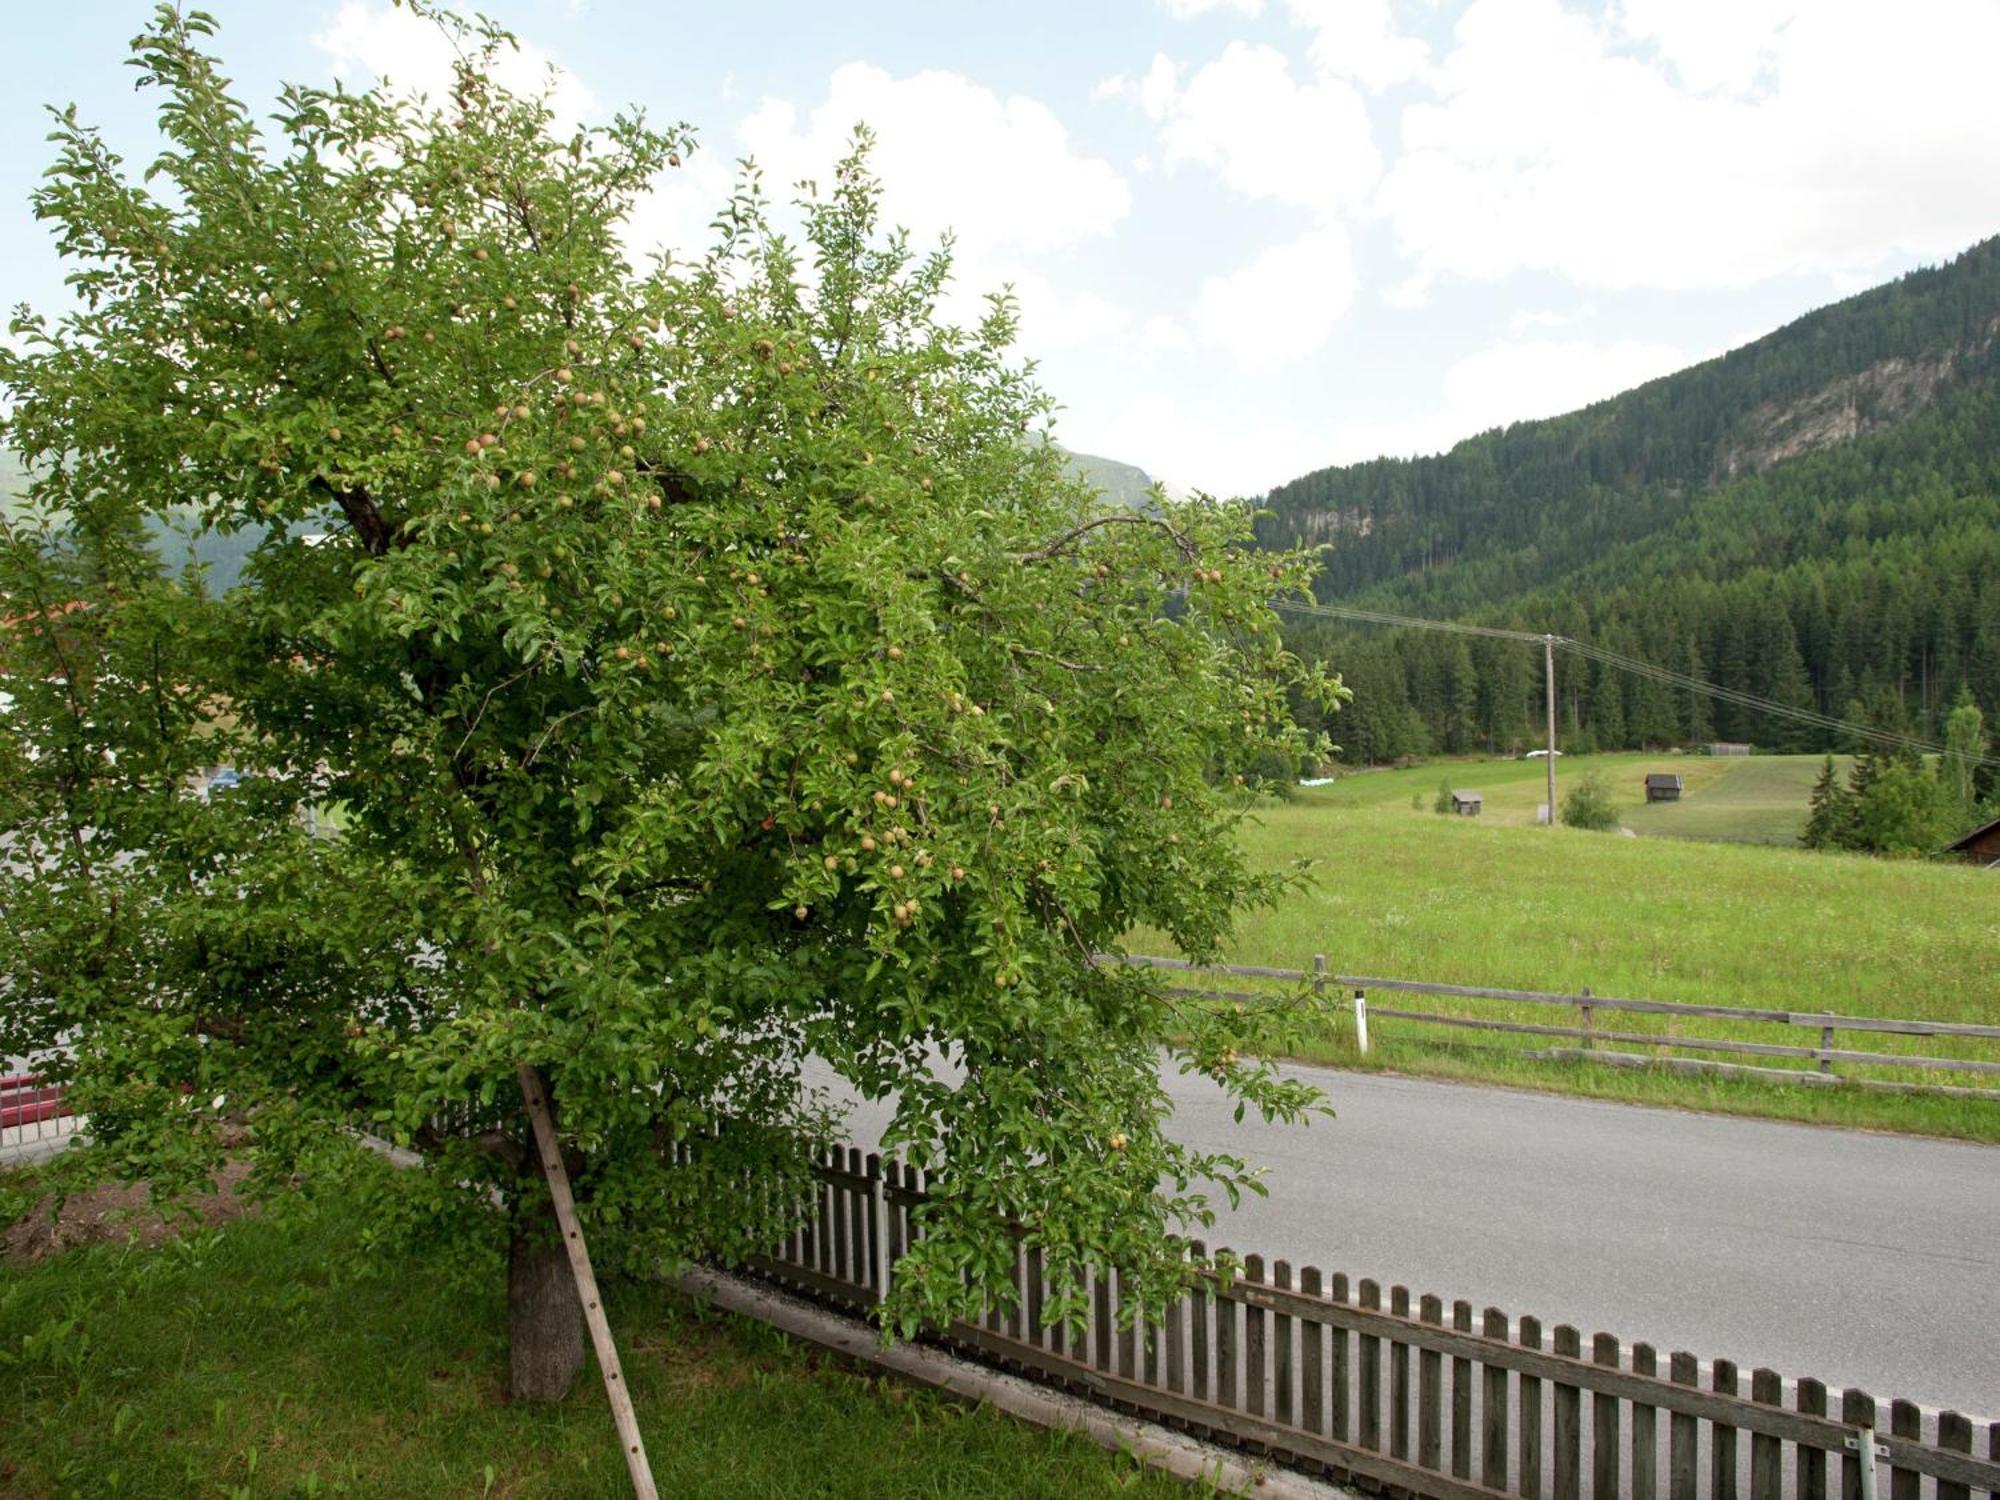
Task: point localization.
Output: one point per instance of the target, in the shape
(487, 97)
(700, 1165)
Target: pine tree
(1964, 746)
(1830, 824)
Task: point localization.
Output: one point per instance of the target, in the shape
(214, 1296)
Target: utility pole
(1549, 673)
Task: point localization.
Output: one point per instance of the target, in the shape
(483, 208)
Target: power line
(1635, 666)
(1380, 617)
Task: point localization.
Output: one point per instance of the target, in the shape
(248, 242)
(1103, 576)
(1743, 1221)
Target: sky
(1250, 238)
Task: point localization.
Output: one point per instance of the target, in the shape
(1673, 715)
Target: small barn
(1467, 804)
(1663, 786)
(1726, 747)
(1981, 846)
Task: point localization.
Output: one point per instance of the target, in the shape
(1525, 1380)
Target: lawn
(1495, 902)
(260, 1359)
(1758, 799)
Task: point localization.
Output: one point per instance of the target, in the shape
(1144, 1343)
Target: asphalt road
(1869, 1260)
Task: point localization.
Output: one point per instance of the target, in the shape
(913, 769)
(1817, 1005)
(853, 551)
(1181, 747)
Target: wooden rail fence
(1593, 1036)
(1398, 1393)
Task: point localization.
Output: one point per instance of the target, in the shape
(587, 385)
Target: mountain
(1813, 518)
(1122, 484)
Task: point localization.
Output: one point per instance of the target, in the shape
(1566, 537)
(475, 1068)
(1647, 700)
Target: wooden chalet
(1981, 846)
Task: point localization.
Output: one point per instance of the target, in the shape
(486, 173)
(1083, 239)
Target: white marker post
(1361, 1020)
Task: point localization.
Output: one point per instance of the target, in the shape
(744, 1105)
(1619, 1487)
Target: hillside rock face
(1877, 397)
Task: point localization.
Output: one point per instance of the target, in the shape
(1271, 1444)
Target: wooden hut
(1466, 804)
(1726, 747)
(1663, 786)
(1981, 846)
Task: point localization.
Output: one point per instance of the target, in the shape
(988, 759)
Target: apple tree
(685, 680)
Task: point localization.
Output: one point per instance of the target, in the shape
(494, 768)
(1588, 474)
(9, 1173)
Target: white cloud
(1188, 444)
(1053, 318)
(1358, 39)
(952, 155)
(1282, 305)
(1266, 134)
(676, 214)
(1623, 151)
(998, 172)
(1525, 319)
(369, 39)
(1163, 335)
(1187, 10)
(1514, 381)
(1712, 45)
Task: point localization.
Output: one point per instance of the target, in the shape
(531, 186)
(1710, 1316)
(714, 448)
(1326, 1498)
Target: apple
(1117, 1141)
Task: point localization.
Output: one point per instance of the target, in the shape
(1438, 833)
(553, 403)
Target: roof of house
(1467, 796)
(1663, 778)
(1969, 839)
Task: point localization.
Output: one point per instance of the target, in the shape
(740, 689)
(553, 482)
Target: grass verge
(259, 1360)
(1492, 904)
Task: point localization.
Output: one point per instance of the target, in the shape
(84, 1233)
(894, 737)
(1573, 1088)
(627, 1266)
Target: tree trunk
(545, 1335)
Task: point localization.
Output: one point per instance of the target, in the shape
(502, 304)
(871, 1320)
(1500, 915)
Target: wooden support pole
(1549, 668)
(535, 1096)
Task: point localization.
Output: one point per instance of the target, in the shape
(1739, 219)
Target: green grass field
(1497, 903)
(257, 1360)
(1758, 799)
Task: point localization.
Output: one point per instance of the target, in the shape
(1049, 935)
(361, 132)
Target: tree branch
(362, 514)
(1069, 538)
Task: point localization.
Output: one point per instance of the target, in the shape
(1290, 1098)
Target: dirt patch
(116, 1213)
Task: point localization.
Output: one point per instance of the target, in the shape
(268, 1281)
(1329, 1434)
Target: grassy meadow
(1754, 799)
(1497, 902)
(259, 1360)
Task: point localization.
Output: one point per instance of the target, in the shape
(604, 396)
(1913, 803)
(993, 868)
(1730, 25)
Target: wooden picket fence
(1398, 1393)
(1834, 1065)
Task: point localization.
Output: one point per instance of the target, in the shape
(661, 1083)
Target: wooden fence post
(1312, 1357)
(1646, 1429)
(1810, 1465)
(1905, 1421)
(1529, 1336)
(1430, 1391)
(1683, 1433)
(1604, 1437)
(1399, 1379)
(1493, 1408)
(535, 1096)
(1766, 1452)
(1722, 1437)
(1857, 1468)
(1568, 1421)
(1368, 1379)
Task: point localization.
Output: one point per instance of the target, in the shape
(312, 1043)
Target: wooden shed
(1981, 846)
(1726, 747)
(1467, 804)
(1663, 786)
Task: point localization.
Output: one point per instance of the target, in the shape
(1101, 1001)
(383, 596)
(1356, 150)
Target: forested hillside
(1813, 518)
